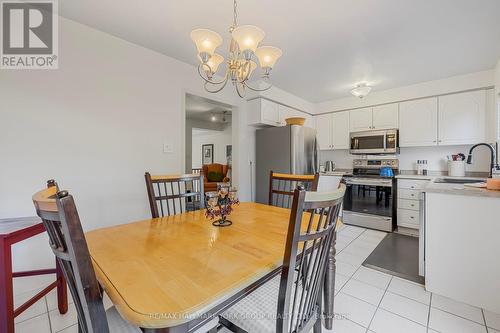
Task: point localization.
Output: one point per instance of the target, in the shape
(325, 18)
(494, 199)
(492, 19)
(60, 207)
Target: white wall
(220, 139)
(96, 125)
(188, 147)
(496, 99)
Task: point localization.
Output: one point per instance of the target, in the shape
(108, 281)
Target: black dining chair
(282, 185)
(66, 238)
(291, 302)
(170, 195)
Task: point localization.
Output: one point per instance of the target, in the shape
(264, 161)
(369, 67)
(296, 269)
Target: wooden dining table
(176, 273)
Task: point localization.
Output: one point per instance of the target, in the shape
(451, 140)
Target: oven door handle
(384, 183)
(385, 141)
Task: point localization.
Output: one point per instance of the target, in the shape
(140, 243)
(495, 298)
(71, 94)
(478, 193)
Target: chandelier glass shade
(245, 55)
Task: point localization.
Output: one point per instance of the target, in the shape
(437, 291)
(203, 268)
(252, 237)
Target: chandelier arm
(241, 94)
(208, 80)
(217, 90)
(259, 89)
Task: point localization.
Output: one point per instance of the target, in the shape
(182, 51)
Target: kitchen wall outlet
(168, 148)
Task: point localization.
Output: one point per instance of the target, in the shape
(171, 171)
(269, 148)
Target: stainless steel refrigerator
(289, 149)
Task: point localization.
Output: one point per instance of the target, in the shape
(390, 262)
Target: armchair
(213, 174)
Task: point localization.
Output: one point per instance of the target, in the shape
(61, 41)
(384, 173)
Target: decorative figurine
(220, 203)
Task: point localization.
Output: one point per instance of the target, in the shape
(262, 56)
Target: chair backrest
(59, 215)
(170, 195)
(282, 186)
(217, 167)
(307, 248)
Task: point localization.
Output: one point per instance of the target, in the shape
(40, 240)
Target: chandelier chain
(235, 13)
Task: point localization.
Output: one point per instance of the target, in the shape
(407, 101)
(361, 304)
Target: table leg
(6, 292)
(62, 290)
(329, 288)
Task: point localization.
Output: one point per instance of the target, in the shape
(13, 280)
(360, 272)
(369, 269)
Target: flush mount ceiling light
(244, 53)
(361, 90)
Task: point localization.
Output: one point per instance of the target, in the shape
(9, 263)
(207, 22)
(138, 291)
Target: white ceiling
(328, 45)
(200, 108)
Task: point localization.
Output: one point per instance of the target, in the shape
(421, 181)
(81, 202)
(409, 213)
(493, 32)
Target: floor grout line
(484, 319)
(429, 314)
(378, 306)
(48, 314)
(459, 316)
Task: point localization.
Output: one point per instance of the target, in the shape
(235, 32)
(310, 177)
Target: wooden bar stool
(13, 231)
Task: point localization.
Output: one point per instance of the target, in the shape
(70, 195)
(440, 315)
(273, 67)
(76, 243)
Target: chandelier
(244, 53)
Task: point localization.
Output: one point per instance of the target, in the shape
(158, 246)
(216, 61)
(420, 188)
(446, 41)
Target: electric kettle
(329, 166)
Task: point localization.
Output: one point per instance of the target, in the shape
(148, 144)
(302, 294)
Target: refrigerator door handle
(315, 157)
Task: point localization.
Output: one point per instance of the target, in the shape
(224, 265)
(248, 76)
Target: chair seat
(257, 312)
(117, 324)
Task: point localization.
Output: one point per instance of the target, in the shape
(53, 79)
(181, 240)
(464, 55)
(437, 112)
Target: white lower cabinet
(409, 202)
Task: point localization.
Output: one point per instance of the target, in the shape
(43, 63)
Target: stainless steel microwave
(375, 142)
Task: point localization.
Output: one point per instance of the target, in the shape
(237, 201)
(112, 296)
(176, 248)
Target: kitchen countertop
(411, 174)
(459, 189)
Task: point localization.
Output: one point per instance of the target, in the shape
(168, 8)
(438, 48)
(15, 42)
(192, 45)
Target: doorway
(209, 135)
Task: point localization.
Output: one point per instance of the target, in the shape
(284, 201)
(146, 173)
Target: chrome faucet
(493, 165)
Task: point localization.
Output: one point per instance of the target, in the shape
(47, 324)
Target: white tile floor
(367, 301)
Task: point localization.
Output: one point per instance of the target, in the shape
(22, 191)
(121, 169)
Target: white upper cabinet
(332, 130)
(263, 112)
(270, 112)
(462, 118)
(285, 112)
(385, 116)
(310, 121)
(361, 120)
(418, 122)
(374, 118)
(340, 130)
(324, 131)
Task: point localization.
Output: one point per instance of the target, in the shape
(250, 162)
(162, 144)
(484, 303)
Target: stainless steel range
(370, 198)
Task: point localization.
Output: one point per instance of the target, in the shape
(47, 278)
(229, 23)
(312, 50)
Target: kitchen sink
(458, 181)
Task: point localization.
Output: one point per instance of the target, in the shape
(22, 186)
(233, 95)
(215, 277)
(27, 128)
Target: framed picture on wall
(207, 153)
